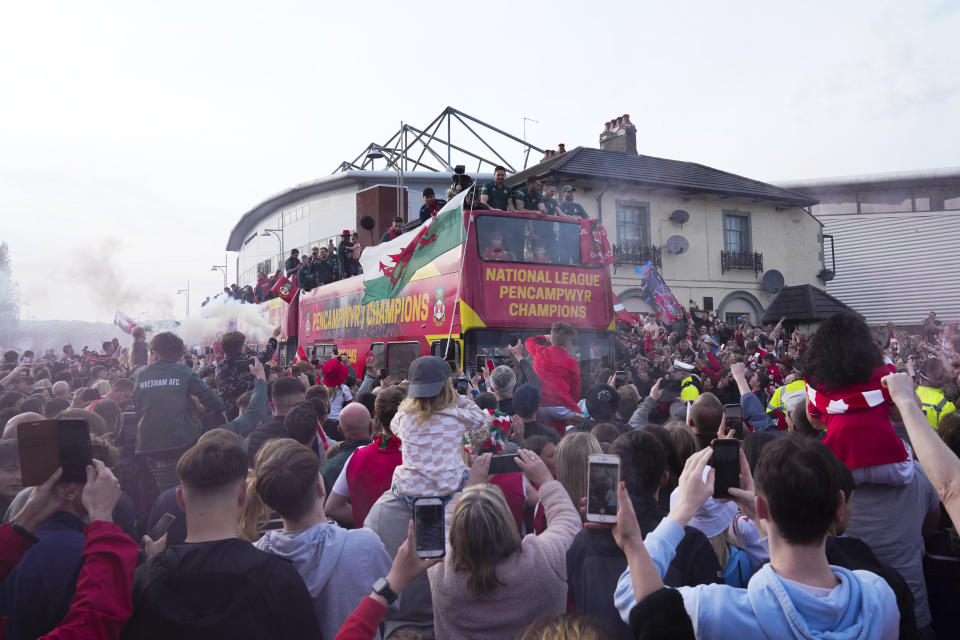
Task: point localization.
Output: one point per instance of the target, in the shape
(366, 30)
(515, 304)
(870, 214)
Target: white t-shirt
(342, 397)
(340, 487)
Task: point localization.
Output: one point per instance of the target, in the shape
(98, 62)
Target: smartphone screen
(733, 412)
(504, 464)
(726, 462)
(75, 453)
(481, 364)
(428, 527)
(461, 385)
(161, 527)
(603, 476)
(620, 377)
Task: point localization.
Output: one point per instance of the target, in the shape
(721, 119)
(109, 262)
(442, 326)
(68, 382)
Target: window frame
(481, 221)
(746, 232)
(390, 368)
(643, 224)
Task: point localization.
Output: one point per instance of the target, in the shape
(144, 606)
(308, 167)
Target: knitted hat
(334, 372)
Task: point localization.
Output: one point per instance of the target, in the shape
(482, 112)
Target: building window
(736, 232)
(633, 223)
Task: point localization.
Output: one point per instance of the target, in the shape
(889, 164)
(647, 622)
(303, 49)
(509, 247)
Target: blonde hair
(571, 463)
(482, 533)
(255, 513)
(720, 548)
(424, 408)
(566, 627)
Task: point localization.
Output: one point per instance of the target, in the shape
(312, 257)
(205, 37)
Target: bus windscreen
(525, 240)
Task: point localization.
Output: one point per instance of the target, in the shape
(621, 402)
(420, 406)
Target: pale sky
(133, 135)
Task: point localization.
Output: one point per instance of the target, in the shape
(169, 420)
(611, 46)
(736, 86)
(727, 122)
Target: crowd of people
(240, 498)
(330, 263)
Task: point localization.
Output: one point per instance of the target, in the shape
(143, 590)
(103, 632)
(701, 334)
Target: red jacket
(559, 374)
(364, 622)
(369, 474)
(102, 603)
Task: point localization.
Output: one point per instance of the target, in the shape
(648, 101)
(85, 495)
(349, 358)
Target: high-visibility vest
(934, 404)
(777, 400)
(689, 390)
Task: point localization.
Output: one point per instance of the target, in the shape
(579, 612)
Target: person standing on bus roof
(348, 265)
(528, 198)
(292, 264)
(496, 194)
(394, 232)
(430, 205)
(550, 202)
(568, 206)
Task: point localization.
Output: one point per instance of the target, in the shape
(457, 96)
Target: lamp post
(278, 233)
(187, 292)
(221, 267)
(377, 152)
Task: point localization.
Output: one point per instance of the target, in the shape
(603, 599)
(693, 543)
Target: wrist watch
(382, 588)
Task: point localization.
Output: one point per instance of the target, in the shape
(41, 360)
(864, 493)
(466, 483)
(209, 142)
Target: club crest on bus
(439, 309)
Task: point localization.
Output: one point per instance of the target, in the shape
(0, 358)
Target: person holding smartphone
(509, 581)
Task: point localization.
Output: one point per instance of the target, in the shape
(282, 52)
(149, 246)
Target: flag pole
(463, 256)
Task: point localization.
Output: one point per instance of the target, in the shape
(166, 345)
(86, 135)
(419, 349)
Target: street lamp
(376, 152)
(279, 235)
(221, 267)
(187, 292)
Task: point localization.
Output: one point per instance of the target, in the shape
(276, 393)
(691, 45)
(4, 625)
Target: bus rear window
(501, 239)
(399, 357)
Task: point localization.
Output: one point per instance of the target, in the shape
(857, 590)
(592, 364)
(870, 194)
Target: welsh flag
(125, 322)
(388, 267)
(301, 355)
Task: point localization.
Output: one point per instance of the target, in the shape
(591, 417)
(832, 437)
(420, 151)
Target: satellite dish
(827, 275)
(677, 245)
(680, 216)
(772, 281)
(368, 223)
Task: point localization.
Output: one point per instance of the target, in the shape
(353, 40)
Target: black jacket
(222, 589)
(595, 562)
(853, 554)
(661, 616)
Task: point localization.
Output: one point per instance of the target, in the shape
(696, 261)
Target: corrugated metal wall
(896, 266)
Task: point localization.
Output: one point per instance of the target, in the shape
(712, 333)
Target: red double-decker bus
(515, 274)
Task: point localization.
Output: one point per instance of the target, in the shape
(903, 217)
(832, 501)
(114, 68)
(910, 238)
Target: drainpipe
(600, 202)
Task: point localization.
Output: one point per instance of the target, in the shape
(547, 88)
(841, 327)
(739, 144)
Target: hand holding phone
(603, 476)
(726, 462)
(46, 445)
(429, 527)
(504, 464)
(163, 524)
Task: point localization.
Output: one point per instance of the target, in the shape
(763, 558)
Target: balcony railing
(636, 254)
(730, 261)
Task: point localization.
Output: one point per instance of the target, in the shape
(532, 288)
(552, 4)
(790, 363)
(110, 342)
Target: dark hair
(949, 430)
(10, 356)
(212, 463)
(386, 406)
(109, 410)
(532, 179)
(841, 353)
(301, 422)
(167, 345)
(801, 423)
(317, 391)
(287, 474)
(537, 443)
(32, 404)
(499, 168)
(232, 342)
(428, 192)
(367, 399)
(799, 479)
(753, 445)
(605, 432)
(11, 399)
(642, 462)
(486, 400)
(674, 463)
(285, 387)
(89, 395)
(122, 384)
(55, 406)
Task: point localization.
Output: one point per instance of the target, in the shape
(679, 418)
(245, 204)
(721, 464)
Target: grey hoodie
(338, 566)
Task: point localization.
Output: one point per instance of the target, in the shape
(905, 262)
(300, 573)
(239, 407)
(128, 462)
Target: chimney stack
(619, 135)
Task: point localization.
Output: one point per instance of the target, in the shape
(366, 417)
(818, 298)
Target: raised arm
(939, 463)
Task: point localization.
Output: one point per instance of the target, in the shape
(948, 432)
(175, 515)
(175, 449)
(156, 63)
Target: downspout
(600, 202)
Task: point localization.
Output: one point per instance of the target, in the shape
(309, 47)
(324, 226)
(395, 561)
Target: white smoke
(224, 314)
(95, 270)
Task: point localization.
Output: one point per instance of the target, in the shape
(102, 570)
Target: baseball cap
(566, 188)
(427, 375)
(602, 402)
